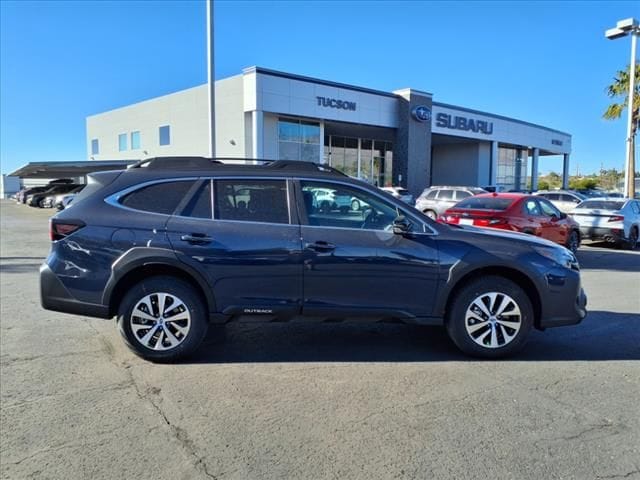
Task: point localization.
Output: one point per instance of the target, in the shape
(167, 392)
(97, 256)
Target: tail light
(616, 218)
(490, 222)
(59, 229)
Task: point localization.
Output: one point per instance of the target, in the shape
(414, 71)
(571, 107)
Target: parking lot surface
(301, 401)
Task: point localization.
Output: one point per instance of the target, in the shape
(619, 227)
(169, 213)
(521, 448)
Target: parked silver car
(564, 200)
(435, 200)
(615, 220)
(400, 193)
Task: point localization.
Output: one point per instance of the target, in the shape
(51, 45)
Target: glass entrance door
(366, 159)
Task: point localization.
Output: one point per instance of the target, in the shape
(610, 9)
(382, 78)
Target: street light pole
(211, 83)
(623, 28)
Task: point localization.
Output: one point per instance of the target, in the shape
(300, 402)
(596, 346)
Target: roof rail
(299, 165)
(177, 163)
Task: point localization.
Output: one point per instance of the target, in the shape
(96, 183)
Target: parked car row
(56, 194)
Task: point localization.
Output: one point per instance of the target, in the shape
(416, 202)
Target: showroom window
(135, 140)
(122, 142)
(164, 133)
(95, 147)
(298, 140)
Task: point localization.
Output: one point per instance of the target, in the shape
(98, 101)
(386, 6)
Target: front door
(355, 264)
(249, 249)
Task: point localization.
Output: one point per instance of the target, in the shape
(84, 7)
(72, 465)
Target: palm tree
(619, 89)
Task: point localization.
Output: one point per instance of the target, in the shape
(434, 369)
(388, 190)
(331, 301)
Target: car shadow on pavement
(595, 257)
(602, 336)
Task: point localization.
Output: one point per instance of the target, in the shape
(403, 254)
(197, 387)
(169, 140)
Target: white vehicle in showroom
(614, 220)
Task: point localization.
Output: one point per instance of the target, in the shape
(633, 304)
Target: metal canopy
(68, 169)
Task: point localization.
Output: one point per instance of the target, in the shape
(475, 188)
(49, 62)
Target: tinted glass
(158, 198)
(460, 194)
(602, 204)
(548, 209)
(336, 205)
(531, 207)
(445, 195)
(164, 133)
(251, 201)
(485, 203)
(200, 205)
(432, 194)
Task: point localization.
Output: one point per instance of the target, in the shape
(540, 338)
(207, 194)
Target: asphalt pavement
(302, 401)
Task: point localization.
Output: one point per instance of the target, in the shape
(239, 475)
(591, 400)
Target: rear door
(241, 234)
(355, 264)
(446, 199)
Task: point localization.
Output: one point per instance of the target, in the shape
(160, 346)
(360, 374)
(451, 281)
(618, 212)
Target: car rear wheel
(573, 242)
(490, 317)
(632, 242)
(431, 214)
(162, 319)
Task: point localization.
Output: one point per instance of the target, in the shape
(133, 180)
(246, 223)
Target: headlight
(560, 255)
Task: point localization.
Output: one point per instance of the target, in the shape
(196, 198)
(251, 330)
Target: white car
(615, 220)
(400, 193)
(563, 200)
(327, 200)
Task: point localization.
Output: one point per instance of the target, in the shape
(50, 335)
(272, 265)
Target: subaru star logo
(422, 113)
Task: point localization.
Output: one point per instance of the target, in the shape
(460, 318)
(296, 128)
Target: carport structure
(69, 169)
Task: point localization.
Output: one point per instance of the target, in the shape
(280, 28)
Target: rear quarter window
(161, 198)
(485, 203)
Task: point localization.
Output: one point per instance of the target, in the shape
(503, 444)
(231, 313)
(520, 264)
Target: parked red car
(518, 213)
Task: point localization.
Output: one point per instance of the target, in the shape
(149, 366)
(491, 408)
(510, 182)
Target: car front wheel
(162, 319)
(632, 242)
(490, 317)
(573, 242)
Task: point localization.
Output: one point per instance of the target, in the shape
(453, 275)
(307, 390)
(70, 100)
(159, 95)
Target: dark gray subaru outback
(175, 243)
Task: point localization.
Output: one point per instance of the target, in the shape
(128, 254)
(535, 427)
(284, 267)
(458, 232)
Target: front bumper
(54, 296)
(565, 302)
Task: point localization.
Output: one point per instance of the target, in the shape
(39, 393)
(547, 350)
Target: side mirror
(401, 226)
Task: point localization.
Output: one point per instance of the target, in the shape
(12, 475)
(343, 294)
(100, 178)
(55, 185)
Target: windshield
(485, 203)
(602, 204)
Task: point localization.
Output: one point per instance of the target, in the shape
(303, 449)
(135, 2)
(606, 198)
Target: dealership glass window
(512, 168)
(95, 147)
(298, 140)
(122, 142)
(135, 140)
(369, 160)
(366, 160)
(164, 133)
(351, 157)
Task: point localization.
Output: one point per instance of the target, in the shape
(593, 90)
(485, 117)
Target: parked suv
(185, 241)
(563, 200)
(434, 201)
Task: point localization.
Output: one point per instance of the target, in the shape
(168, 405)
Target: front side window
(122, 142)
(95, 147)
(337, 205)
(135, 140)
(531, 207)
(548, 209)
(158, 198)
(164, 134)
(251, 201)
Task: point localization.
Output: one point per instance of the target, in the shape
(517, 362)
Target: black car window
(251, 200)
(445, 195)
(338, 205)
(485, 203)
(531, 207)
(158, 198)
(199, 205)
(548, 209)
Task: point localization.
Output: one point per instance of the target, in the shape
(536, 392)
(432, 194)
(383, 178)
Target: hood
(505, 235)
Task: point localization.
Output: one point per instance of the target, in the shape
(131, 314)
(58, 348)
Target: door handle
(320, 246)
(196, 238)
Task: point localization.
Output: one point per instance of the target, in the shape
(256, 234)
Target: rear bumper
(600, 233)
(54, 296)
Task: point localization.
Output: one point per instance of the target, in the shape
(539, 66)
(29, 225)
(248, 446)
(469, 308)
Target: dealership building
(402, 137)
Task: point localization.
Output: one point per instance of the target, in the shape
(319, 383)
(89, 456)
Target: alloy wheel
(493, 320)
(160, 321)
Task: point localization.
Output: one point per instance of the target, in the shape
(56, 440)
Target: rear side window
(158, 198)
(445, 195)
(251, 200)
(485, 203)
(431, 194)
(460, 194)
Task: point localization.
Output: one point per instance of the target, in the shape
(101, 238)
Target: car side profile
(434, 201)
(614, 220)
(173, 244)
(518, 213)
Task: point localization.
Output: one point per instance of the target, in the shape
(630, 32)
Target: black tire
(632, 241)
(457, 322)
(573, 242)
(195, 306)
(431, 214)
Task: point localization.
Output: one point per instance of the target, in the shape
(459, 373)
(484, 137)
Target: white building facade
(386, 138)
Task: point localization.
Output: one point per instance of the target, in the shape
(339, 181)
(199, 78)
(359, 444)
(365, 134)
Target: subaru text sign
(421, 113)
(445, 120)
(333, 103)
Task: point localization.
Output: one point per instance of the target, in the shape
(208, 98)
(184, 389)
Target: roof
(68, 169)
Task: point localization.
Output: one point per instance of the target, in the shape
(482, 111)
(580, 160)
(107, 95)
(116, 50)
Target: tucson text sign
(333, 103)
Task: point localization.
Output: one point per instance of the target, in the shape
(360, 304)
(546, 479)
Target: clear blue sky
(544, 62)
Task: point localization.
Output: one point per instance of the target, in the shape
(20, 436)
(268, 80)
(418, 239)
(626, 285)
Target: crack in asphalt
(622, 475)
(178, 433)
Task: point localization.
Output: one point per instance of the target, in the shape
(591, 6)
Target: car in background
(400, 193)
(38, 199)
(564, 200)
(434, 201)
(326, 200)
(529, 214)
(614, 220)
(55, 200)
(22, 195)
